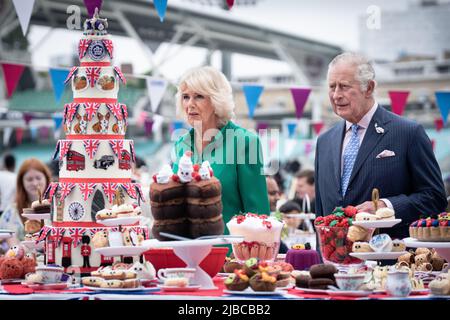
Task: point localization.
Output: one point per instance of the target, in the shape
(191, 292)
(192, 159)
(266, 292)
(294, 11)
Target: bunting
(93, 73)
(133, 155)
(300, 97)
(160, 6)
(116, 146)
(91, 5)
(91, 147)
(87, 189)
(57, 147)
(443, 102)
(120, 75)
(69, 111)
(24, 9)
(83, 46)
(252, 94)
(57, 76)
(139, 190)
(12, 74)
(72, 72)
(64, 148)
(43, 234)
(130, 189)
(317, 126)
(91, 109)
(66, 188)
(51, 189)
(398, 101)
(76, 234)
(109, 47)
(116, 110)
(439, 124)
(109, 189)
(58, 234)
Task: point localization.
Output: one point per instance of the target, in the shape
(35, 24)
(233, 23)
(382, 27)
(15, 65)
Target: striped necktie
(350, 153)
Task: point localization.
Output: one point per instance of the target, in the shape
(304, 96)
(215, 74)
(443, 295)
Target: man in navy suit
(373, 148)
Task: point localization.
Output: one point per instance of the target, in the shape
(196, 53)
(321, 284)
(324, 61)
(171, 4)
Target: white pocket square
(385, 154)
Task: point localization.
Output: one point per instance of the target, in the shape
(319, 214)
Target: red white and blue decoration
(76, 234)
(93, 73)
(72, 72)
(120, 75)
(116, 146)
(87, 189)
(91, 147)
(83, 46)
(109, 189)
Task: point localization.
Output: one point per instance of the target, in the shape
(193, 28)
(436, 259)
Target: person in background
(32, 175)
(305, 189)
(273, 191)
(7, 181)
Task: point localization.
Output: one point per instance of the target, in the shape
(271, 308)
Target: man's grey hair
(365, 71)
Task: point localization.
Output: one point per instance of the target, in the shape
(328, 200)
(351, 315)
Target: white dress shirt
(363, 125)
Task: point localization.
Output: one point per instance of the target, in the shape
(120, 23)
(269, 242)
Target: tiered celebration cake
(95, 161)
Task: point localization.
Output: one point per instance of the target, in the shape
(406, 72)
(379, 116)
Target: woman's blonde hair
(210, 82)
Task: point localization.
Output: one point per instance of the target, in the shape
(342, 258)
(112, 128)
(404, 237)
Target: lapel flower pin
(379, 130)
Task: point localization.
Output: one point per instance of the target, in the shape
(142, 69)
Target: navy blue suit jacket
(411, 179)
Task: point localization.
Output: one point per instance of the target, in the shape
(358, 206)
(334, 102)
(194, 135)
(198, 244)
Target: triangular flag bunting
(7, 132)
(27, 117)
(262, 125)
(252, 94)
(291, 129)
(44, 133)
(300, 97)
(439, 124)
(443, 102)
(161, 6)
(19, 135)
(24, 9)
(148, 126)
(230, 3)
(318, 127)
(12, 73)
(34, 133)
(58, 76)
(91, 5)
(156, 88)
(398, 101)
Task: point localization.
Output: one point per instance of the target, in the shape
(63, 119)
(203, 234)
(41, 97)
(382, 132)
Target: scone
(131, 283)
(361, 247)
(385, 214)
(357, 233)
(398, 245)
(105, 214)
(365, 216)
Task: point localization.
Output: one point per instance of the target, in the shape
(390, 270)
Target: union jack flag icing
(91, 147)
(76, 234)
(43, 234)
(93, 73)
(130, 189)
(109, 189)
(51, 189)
(91, 108)
(65, 189)
(58, 234)
(116, 110)
(69, 111)
(57, 147)
(64, 148)
(87, 189)
(109, 46)
(116, 146)
(72, 72)
(120, 75)
(83, 45)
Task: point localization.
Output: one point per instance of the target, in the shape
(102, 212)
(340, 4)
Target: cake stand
(442, 248)
(192, 252)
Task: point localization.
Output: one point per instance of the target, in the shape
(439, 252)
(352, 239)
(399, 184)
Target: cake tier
(64, 245)
(95, 82)
(100, 117)
(79, 201)
(94, 49)
(95, 158)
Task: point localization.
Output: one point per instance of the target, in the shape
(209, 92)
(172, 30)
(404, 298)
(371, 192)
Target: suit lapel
(371, 140)
(336, 148)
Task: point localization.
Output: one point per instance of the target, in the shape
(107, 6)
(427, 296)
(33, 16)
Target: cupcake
(283, 279)
(263, 282)
(238, 281)
(435, 232)
(398, 245)
(41, 206)
(413, 229)
(251, 267)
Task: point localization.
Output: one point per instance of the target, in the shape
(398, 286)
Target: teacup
(349, 281)
(50, 273)
(170, 273)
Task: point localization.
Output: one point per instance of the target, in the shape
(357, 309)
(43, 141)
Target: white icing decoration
(185, 169)
(164, 175)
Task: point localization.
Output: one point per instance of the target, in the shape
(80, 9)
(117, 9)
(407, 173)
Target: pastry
(323, 271)
(365, 216)
(381, 243)
(176, 282)
(144, 271)
(232, 265)
(131, 283)
(398, 245)
(92, 281)
(32, 226)
(251, 267)
(440, 285)
(385, 214)
(42, 206)
(283, 279)
(361, 247)
(302, 280)
(100, 239)
(237, 281)
(113, 274)
(112, 284)
(105, 214)
(357, 233)
(123, 210)
(263, 282)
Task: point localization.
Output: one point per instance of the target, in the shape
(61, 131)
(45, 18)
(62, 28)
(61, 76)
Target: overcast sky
(331, 21)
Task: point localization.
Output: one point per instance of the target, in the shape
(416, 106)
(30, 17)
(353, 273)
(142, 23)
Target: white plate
(307, 290)
(377, 255)
(377, 223)
(114, 222)
(46, 286)
(179, 289)
(289, 286)
(32, 244)
(5, 236)
(141, 288)
(250, 292)
(414, 243)
(36, 216)
(121, 251)
(350, 293)
(415, 291)
(11, 281)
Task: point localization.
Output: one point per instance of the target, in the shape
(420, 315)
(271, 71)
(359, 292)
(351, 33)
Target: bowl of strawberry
(335, 246)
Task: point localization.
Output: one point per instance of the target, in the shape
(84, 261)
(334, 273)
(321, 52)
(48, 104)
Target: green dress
(235, 156)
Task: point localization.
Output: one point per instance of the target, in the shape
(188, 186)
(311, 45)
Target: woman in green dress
(205, 99)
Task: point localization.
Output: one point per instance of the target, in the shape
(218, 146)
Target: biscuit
(113, 275)
(131, 283)
(323, 271)
(92, 281)
(113, 283)
(361, 247)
